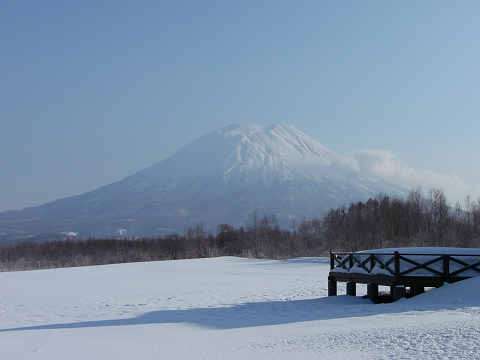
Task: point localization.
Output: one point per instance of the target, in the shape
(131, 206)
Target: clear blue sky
(95, 91)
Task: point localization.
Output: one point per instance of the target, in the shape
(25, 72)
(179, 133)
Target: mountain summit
(221, 177)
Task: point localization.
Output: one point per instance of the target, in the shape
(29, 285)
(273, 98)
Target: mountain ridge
(221, 177)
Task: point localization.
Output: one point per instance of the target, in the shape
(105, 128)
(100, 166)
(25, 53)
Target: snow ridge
(273, 153)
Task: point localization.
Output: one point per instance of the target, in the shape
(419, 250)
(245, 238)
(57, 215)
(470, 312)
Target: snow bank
(461, 294)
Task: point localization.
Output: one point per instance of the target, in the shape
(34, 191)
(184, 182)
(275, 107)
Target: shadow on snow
(258, 314)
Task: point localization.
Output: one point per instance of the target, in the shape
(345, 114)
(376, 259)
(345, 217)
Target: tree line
(382, 221)
(416, 220)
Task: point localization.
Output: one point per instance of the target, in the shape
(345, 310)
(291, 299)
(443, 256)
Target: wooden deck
(405, 273)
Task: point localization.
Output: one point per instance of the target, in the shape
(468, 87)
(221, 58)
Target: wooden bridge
(406, 271)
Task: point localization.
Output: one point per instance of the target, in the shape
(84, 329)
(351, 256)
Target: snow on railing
(447, 263)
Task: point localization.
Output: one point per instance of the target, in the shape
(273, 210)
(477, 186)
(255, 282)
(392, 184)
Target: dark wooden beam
(397, 292)
(372, 292)
(351, 288)
(332, 287)
(416, 290)
(386, 280)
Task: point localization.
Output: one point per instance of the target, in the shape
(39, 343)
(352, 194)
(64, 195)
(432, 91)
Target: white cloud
(385, 164)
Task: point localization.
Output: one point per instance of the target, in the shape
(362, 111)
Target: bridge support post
(332, 286)
(397, 292)
(351, 288)
(372, 292)
(417, 290)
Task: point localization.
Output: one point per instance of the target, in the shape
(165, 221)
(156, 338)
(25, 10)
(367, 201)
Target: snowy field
(225, 308)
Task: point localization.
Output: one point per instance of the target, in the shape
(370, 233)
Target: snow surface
(438, 250)
(225, 308)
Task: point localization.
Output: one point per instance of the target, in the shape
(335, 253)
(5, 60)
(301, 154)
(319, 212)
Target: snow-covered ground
(225, 308)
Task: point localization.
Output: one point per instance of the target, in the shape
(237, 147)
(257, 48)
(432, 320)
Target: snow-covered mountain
(220, 178)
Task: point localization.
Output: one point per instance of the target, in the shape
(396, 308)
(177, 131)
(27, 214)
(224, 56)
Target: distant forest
(383, 221)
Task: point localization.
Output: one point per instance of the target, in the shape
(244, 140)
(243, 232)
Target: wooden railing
(446, 266)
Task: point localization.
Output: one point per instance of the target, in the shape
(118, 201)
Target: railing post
(417, 290)
(332, 286)
(351, 288)
(350, 262)
(446, 267)
(397, 292)
(332, 260)
(396, 261)
(372, 292)
(372, 262)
